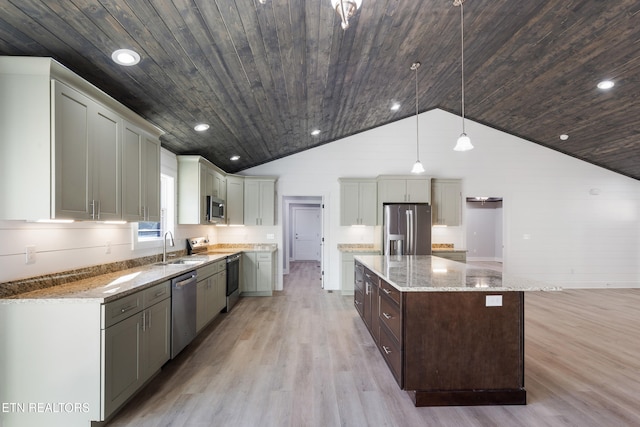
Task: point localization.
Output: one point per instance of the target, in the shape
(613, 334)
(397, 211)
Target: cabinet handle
(386, 349)
(387, 316)
(127, 308)
(159, 293)
(386, 291)
(144, 321)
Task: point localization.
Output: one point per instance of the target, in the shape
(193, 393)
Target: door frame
(288, 202)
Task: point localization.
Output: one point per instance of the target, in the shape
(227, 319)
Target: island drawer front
(371, 278)
(390, 317)
(115, 311)
(391, 354)
(358, 301)
(389, 291)
(157, 293)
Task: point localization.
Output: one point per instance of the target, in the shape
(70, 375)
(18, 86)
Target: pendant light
(464, 142)
(346, 9)
(417, 166)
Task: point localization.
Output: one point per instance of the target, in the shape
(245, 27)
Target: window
(150, 234)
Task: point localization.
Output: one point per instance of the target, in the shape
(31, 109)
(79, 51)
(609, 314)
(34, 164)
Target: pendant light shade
(464, 142)
(417, 166)
(346, 9)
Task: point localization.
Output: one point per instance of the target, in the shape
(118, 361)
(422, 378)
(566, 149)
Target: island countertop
(426, 273)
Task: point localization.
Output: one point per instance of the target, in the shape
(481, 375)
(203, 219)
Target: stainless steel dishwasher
(183, 311)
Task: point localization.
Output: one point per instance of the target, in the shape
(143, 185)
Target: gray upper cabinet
(259, 201)
(198, 179)
(358, 201)
(71, 134)
(447, 202)
(235, 200)
(140, 175)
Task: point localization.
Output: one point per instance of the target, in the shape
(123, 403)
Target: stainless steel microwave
(215, 209)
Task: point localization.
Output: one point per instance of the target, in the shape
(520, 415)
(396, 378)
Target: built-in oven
(233, 280)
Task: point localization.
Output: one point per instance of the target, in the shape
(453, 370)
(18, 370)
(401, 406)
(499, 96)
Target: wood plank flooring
(304, 358)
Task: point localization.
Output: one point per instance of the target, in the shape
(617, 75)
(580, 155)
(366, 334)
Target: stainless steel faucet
(164, 245)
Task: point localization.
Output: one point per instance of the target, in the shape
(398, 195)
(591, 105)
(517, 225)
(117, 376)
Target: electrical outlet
(30, 252)
(107, 249)
(493, 301)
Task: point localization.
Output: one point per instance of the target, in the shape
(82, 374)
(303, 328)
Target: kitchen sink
(182, 262)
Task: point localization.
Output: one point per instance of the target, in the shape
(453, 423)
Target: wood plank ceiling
(265, 75)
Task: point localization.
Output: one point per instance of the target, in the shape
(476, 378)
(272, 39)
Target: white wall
(575, 239)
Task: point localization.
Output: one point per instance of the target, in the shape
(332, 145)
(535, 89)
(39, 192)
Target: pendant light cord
(417, 125)
(462, 56)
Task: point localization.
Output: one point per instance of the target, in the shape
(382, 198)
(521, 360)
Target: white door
(307, 230)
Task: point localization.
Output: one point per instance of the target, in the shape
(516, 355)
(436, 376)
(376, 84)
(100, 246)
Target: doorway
(484, 217)
(303, 220)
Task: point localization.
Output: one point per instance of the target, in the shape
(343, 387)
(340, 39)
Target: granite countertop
(424, 273)
(107, 287)
(358, 247)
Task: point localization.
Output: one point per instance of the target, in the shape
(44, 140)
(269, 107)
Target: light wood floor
(304, 358)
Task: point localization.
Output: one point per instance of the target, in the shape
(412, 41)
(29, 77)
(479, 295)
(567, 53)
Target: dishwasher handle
(185, 282)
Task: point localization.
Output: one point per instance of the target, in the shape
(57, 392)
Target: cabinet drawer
(390, 291)
(221, 266)
(390, 317)
(263, 256)
(358, 301)
(391, 354)
(207, 270)
(121, 309)
(157, 293)
(371, 277)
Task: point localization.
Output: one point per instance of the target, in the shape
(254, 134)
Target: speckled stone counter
(106, 287)
(424, 273)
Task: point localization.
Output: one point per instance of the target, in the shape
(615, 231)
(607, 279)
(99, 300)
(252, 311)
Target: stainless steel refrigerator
(407, 229)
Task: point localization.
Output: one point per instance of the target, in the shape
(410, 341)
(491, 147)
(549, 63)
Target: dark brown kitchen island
(452, 334)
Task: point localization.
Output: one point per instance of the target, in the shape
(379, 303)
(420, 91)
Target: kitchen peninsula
(451, 333)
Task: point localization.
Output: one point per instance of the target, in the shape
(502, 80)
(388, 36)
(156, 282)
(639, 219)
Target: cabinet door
(249, 266)
(368, 197)
(71, 147)
(132, 187)
(251, 202)
(151, 178)
(447, 202)
(419, 190)
(264, 275)
(235, 201)
(267, 202)
(122, 356)
(201, 303)
(157, 336)
(392, 191)
(349, 203)
(105, 133)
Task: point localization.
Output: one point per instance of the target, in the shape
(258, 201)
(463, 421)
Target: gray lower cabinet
(136, 341)
(257, 273)
(347, 270)
(211, 292)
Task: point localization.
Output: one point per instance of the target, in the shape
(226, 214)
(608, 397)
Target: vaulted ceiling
(263, 76)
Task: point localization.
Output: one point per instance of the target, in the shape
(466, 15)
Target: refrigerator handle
(410, 235)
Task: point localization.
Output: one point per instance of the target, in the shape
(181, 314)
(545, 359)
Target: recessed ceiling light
(201, 127)
(395, 106)
(606, 84)
(315, 132)
(234, 158)
(125, 57)
(564, 137)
